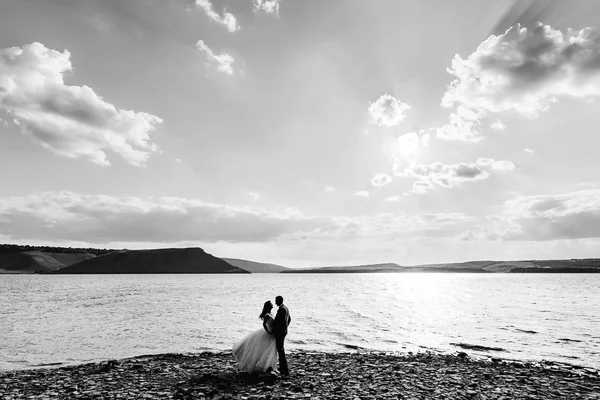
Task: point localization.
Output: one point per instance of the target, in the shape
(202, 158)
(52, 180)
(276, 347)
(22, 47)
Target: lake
(69, 319)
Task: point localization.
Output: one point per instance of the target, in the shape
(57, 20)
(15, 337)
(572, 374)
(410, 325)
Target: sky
(303, 132)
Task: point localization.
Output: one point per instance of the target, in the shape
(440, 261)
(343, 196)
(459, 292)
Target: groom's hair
(279, 300)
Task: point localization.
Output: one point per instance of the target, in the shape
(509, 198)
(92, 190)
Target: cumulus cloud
(463, 125)
(387, 111)
(573, 215)
(525, 70)
(266, 6)
(362, 193)
(522, 71)
(444, 175)
(228, 20)
(451, 175)
(392, 199)
(528, 151)
(330, 189)
(67, 216)
(222, 61)
(72, 121)
(380, 180)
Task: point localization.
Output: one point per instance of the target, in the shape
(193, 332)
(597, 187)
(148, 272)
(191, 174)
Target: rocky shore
(358, 375)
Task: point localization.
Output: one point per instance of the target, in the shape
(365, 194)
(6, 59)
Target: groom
(282, 320)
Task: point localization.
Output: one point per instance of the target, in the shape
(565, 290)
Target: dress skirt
(256, 352)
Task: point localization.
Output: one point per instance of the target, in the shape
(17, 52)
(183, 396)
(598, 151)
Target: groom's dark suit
(282, 320)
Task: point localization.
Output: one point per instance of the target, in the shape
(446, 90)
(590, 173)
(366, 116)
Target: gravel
(314, 375)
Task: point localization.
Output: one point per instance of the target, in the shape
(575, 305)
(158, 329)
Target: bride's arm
(265, 319)
(266, 324)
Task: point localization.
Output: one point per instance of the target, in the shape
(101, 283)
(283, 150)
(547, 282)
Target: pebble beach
(314, 375)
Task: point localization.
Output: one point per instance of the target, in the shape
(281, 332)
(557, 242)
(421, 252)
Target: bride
(257, 352)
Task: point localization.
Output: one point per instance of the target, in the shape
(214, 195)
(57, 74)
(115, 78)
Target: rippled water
(73, 319)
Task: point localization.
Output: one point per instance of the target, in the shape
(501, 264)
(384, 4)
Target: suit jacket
(282, 320)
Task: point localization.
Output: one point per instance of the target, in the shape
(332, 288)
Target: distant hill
(45, 259)
(255, 267)
(27, 262)
(159, 261)
(528, 266)
(368, 268)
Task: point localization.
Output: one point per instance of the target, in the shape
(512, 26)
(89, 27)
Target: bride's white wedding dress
(257, 351)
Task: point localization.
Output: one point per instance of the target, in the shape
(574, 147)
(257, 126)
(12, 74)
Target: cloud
(408, 148)
(409, 145)
(330, 189)
(227, 19)
(223, 60)
(362, 193)
(72, 121)
(468, 236)
(502, 165)
(392, 199)
(390, 226)
(380, 180)
(462, 125)
(266, 6)
(498, 125)
(528, 151)
(445, 175)
(387, 111)
(103, 219)
(522, 71)
(66, 216)
(451, 175)
(573, 215)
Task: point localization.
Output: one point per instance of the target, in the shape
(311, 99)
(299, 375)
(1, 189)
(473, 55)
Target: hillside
(27, 262)
(527, 266)
(160, 261)
(255, 267)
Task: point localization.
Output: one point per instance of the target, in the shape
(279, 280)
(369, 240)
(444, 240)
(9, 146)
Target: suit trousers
(283, 366)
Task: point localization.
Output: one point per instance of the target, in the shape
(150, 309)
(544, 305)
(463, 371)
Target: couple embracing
(258, 352)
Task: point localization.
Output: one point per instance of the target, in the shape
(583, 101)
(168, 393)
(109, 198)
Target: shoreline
(473, 351)
(316, 375)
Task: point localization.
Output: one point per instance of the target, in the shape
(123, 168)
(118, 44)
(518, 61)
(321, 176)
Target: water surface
(48, 319)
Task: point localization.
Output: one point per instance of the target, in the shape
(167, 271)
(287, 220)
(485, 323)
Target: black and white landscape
(418, 179)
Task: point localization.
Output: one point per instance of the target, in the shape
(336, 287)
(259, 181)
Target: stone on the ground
(314, 375)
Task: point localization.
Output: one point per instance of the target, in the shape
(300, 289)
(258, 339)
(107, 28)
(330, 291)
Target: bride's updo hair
(266, 309)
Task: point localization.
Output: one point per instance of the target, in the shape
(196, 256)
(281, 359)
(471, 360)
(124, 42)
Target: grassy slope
(255, 267)
(32, 261)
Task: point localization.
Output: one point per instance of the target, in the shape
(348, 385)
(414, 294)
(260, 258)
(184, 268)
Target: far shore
(314, 375)
(194, 260)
